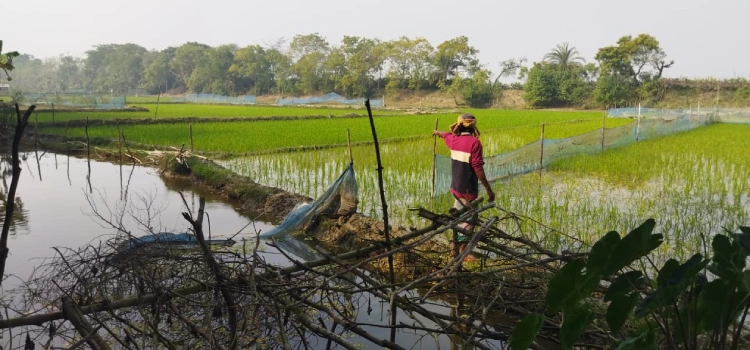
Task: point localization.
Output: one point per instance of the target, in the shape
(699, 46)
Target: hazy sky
(705, 38)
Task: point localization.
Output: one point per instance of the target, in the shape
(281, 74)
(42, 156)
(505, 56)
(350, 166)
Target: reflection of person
(467, 166)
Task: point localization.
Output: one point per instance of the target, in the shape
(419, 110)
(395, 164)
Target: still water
(56, 206)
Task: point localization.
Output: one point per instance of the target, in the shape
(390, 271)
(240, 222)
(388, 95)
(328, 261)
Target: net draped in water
(339, 200)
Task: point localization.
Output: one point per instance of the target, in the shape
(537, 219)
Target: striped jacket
(466, 161)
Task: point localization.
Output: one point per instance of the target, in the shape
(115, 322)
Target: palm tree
(564, 55)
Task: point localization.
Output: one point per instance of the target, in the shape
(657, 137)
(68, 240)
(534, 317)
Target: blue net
(540, 153)
(719, 115)
(216, 99)
(340, 199)
(327, 98)
(71, 100)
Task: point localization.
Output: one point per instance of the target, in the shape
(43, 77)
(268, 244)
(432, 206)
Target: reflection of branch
(221, 278)
(21, 123)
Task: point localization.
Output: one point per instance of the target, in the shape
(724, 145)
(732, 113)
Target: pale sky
(705, 38)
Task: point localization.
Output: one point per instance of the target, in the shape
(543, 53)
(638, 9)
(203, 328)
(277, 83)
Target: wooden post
(638, 123)
(191, 137)
(434, 155)
(604, 122)
(157, 102)
(349, 143)
(88, 156)
(386, 228)
(53, 112)
(541, 153)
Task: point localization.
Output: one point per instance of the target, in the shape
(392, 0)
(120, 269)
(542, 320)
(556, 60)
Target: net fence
(216, 99)
(71, 100)
(327, 98)
(540, 153)
(719, 114)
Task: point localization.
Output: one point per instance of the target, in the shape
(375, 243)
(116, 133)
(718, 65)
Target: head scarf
(465, 121)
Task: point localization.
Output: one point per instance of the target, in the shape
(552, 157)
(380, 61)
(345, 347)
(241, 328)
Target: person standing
(467, 166)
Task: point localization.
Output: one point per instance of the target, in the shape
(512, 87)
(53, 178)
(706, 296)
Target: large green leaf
(601, 252)
(673, 279)
(619, 310)
(525, 331)
(574, 325)
(563, 288)
(729, 258)
(719, 301)
(624, 283)
(635, 245)
(644, 341)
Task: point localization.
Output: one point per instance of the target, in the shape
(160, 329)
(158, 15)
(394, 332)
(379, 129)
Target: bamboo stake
(604, 122)
(157, 102)
(88, 156)
(191, 137)
(386, 230)
(638, 123)
(434, 159)
(541, 153)
(349, 143)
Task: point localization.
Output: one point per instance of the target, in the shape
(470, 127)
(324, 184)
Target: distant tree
(565, 56)
(409, 63)
(614, 89)
(310, 53)
(453, 57)
(252, 67)
(548, 85)
(114, 68)
(158, 76)
(477, 91)
(509, 68)
(6, 61)
(187, 58)
(640, 58)
(69, 73)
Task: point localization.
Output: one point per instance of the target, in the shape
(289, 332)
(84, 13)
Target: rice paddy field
(694, 183)
(183, 110)
(242, 137)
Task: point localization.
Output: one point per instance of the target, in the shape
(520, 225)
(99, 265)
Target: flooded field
(59, 211)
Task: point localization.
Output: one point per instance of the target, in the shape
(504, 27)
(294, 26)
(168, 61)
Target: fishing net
(71, 100)
(339, 200)
(719, 115)
(540, 153)
(216, 99)
(327, 98)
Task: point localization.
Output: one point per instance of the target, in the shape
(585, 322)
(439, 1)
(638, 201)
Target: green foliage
(477, 91)
(636, 58)
(550, 85)
(684, 307)
(525, 331)
(453, 57)
(6, 60)
(612, 90)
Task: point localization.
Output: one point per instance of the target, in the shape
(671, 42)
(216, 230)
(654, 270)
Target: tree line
(629, 70)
